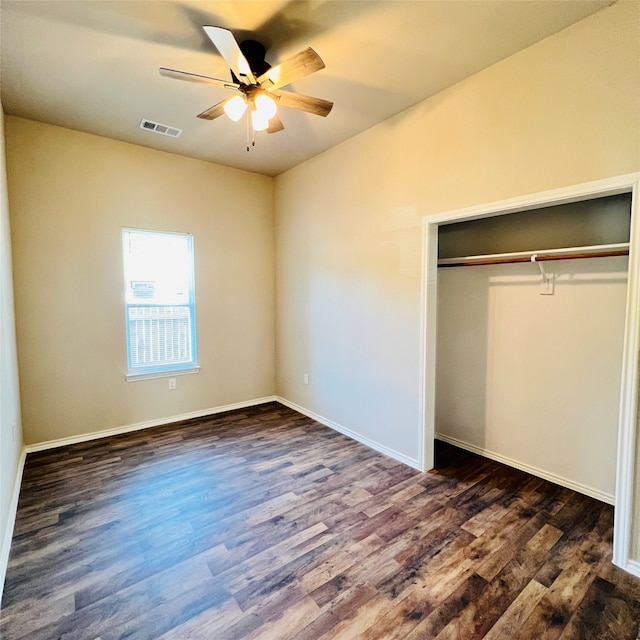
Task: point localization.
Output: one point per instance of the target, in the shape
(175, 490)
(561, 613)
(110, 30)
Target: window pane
(160, 301)
(160, 336)
(158, 267)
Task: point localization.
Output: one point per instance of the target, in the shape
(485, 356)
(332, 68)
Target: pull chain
(248, 129)
(251, 134)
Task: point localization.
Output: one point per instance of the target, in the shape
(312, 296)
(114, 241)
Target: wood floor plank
(28, 616)
(257, 566)
(518, 612)
(516, 538)
(199, 627)
(343, 606)
(475, 621)
(289, 623)
(343, 560)
(450, 609)
(554, 610)
(262, 524)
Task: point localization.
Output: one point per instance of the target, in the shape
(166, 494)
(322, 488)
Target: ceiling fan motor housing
(254, 52)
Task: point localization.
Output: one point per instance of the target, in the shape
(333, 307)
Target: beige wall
(10, 438)
(71, 194)
(348, 238)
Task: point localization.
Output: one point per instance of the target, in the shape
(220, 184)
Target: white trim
(423, 437)
(94, 435)
(628, 420)
(11, 520)
(428, 333)
(633, 567)
(576, 193)
(134, 377)
(535, 471)
(627, 423)
(372, 444)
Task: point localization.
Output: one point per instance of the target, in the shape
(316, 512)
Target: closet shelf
(569, 253)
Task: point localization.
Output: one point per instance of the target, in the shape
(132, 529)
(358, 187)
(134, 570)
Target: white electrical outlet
(172, 383)
(306, 378)
(13, 431)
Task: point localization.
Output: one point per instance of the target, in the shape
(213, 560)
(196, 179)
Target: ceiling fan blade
(275, 125)
(194, 77)
(229, 49)
(214, 112)
(294, 68)
(317, 106)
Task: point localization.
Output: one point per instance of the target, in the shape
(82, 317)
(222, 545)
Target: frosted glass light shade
(235, 108)
(258, 121)
(266, 105)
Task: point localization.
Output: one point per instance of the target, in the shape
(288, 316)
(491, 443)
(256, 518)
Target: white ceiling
(93, 65)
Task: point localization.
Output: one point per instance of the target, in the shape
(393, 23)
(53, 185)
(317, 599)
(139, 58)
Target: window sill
(134, 377)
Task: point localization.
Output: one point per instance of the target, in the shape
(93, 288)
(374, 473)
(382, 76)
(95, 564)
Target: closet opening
(531, 322)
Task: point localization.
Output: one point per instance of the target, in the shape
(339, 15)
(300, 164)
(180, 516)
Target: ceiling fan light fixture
(266, 106)
(235, 108)
(258, 121)
(256, 83)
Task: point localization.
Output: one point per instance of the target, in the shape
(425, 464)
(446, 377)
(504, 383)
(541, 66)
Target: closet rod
(570, 253)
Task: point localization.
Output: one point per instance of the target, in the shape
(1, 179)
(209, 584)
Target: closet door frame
(626, 462)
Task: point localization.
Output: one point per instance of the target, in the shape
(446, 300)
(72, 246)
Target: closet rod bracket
(547, 285)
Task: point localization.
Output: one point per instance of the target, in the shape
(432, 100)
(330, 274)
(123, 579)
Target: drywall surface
(10, 422)
(348, 222)
(71, 195)
(535, 378)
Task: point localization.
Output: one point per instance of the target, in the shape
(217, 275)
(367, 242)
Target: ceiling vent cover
(163, 129)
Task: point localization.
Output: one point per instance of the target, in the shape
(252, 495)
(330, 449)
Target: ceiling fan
(256, 84)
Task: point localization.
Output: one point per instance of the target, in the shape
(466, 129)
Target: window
(159, 303)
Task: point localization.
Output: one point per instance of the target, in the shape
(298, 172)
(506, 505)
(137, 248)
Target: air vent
(164, 129)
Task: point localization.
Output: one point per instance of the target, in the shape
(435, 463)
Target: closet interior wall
(526, 376)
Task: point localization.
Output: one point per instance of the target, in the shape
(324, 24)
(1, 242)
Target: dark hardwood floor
(263, 524)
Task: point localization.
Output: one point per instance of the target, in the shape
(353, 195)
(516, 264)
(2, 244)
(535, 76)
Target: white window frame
(150, 371)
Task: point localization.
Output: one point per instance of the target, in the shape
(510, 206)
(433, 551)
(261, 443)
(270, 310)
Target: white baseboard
(94, 435)
(11, 520)
(372, 444)
(535, 471)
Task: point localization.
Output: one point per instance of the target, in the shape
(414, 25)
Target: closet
(530, 329)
